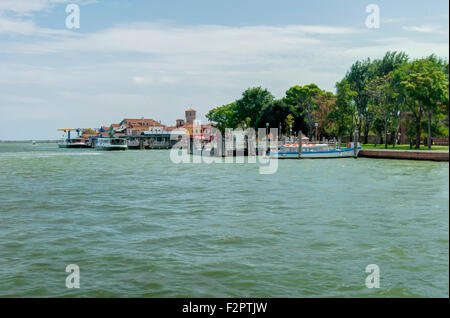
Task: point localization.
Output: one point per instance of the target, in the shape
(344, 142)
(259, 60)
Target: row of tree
(374, 96)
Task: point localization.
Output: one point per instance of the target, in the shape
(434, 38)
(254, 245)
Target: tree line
(375, 96)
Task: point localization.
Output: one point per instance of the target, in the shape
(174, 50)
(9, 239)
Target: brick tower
(190, 116)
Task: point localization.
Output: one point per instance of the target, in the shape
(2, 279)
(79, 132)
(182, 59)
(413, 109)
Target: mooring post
(355, 144)
(300, 141)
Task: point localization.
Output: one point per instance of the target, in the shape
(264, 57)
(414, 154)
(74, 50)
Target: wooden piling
(355, 144)
(300, 144)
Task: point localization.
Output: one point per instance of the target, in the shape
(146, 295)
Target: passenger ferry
(112, 143)
(68, 142)
(72, 143)
(290, 151)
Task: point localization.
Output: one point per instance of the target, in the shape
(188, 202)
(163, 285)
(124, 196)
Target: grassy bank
(404, 147)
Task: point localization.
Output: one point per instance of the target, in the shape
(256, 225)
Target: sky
(154, 59)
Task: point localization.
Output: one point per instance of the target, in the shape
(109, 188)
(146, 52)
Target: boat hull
(334, 153)
(111, 148)
(72, 146)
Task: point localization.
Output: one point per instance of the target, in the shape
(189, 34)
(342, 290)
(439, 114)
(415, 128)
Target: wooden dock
(405, 154)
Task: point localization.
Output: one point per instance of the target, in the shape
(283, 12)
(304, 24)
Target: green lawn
(404, 147)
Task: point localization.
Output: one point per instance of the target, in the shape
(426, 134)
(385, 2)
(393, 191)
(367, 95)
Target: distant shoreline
(27, 141)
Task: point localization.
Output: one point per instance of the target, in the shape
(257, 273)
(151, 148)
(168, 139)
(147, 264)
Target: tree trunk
(396, 136)
(359, 129)
(385, 136)
(366, 135)
(417, 146)
(429, 131)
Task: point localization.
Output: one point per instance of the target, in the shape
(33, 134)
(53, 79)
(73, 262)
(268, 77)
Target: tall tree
(389, 62)
(275, 114)
(424, 87)
(224, 117)
(342, 114)
(250, 105)
(304, 99)
(431, 86)
(325, 103)
(383, 104)
(360, 75)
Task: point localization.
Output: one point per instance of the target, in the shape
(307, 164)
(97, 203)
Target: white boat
(107, 143)
(72, 143)
(68, 142)
(310, 151)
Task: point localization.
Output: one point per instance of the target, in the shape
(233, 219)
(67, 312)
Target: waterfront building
(147, 133)
(136, 127)
(180, 123)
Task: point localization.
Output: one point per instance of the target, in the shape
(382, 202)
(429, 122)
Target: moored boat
(311, 151)
(112, 143)
(68, 142)
(72, 143)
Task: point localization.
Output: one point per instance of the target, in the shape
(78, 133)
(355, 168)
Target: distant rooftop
(150, 121)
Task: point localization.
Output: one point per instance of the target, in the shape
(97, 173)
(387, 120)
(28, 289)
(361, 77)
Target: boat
(68, 142)
(111, 143)
(72, 143)
(311, 150)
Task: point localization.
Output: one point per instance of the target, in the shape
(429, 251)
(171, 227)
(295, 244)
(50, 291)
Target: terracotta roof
(190, 110)
(108, 127)
(139, 121)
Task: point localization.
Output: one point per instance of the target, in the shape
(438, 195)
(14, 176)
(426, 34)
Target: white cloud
(25, 27)
(393, 20)
(158, 38)
(15, 16)
(142, 80)
(27, 7)
(157, 69)
(423, 29)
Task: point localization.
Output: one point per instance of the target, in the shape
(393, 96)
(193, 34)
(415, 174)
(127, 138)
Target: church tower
(190, 116)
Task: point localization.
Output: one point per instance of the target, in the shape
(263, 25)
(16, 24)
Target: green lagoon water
(139, 225)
